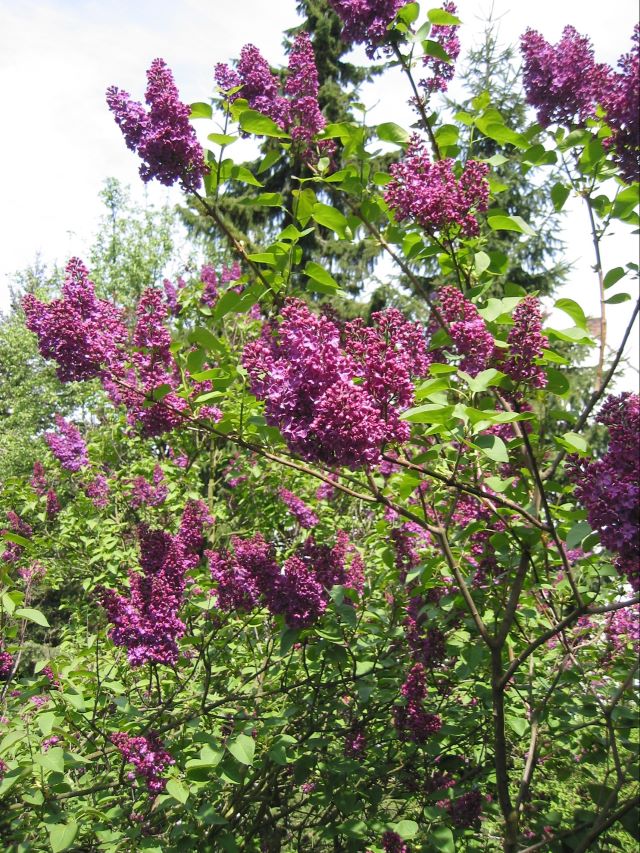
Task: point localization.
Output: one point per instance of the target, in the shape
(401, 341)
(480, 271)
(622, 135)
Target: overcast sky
(59, 141)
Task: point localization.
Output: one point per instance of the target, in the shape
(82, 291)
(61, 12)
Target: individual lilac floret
(81, 333)
(303, 514)
(162, 136)
(67, 445)
(431, 195)
(148, 756)
(526, 344)
(440, 72)
(98, 491)
(621, 102)
(366, 21)
(609, 488)
(467, 330)
(562, 82)
(412, 722)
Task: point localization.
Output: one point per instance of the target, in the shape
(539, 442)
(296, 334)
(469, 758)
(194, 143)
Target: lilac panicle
(366, 21)
(162, 136)
(431, 195)
(333, 404)
(67, 445)
(467, 330)
(412, 722)
(305, 118)
(303, 514)
(621, 102)
(526, 344)
(148, 756)
(440, 72)
(609, 488)
(83, 334)
(562, 82)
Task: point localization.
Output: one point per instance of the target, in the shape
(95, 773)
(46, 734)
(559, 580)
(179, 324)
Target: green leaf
(481, 262)
(16, 538)
(517, 724)
(406, 828)
(201, 335)
(557, 382)
(330, 217)
(434, 48)
(243, 749)
(442, 839)
(502, 222)
(573, 310)
(409, 13)
(431, 413)
(244, 176)
(251, 121)
(389, 131)
(578, 533)
(52, 759)
(442, 18)
(227, 302)
(62, 835)
(493, 447)
(485, 379)
(574, 443)
(177, 790)
(618, 298)
(222, 138)
(201, 110)
(324, 281)
(559, 195)
(32, 615)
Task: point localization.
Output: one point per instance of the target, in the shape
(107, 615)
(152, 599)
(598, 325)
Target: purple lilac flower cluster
(250, 574)
(622, 628)
(146, 622)
(465, 810)
(408, 540)
(427, 643)
(526, 344)
(303, 514)
(392, 843)
(562, 82)
(355, 742)
(82, 333)
(333, 404)
(609, 488)
(297, 111)
(13, 550)
(209, 278)
(431, 195)
(148, 756)
(6, 664)
(152, 367)
(467, 331)
(67, 445)
(162, 136)
(53, 504)
(446, 36)
(98, 490)
(38, 479)
(621, 102)
(366, 21)
(144, 493)
(412, 722)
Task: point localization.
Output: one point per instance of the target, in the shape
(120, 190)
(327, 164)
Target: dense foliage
(300, 579)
